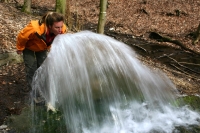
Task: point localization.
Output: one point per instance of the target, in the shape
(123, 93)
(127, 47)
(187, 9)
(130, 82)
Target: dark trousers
(32, 61)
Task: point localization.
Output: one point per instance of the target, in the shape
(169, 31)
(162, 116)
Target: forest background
(127, 20)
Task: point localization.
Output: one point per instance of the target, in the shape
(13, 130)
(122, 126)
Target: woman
(35, 40)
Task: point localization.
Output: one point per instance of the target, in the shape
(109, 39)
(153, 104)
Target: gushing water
(101, 87)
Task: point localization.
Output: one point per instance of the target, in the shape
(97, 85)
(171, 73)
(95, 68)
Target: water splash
(100, 86)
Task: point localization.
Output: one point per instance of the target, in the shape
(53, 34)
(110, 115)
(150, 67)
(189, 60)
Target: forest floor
(134, 22)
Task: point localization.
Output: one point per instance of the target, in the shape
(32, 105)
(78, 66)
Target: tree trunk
(61, 6)
(68, 16)
(102, 16)
(27, 6)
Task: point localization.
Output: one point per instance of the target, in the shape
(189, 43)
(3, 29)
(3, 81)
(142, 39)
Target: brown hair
(50, 17)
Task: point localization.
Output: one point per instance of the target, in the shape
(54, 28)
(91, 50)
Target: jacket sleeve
(23, 36)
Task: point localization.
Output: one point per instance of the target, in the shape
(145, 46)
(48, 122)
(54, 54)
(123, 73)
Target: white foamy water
(101, 87)
(137, 118)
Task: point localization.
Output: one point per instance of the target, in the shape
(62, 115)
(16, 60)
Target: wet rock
(10, 58)
(3, 127)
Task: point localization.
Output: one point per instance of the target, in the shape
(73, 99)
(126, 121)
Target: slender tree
(27, 6)
(102, 16)
(68, 15)
(61, 6)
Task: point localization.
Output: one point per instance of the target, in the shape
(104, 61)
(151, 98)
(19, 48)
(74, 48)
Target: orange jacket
(31, 37)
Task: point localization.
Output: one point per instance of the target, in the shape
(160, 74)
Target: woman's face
(56, 28)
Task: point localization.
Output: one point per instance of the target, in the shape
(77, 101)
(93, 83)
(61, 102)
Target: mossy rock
(10, 58)
(192, 101)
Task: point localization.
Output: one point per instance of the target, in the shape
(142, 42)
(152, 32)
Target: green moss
(39, 121)
(192, 101)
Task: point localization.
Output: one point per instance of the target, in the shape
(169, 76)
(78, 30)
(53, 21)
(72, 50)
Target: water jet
(99, 85)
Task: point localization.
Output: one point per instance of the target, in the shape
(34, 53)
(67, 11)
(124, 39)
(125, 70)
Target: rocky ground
(130, 21)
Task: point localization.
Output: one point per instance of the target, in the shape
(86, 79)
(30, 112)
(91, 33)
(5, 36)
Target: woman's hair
(50, 17)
